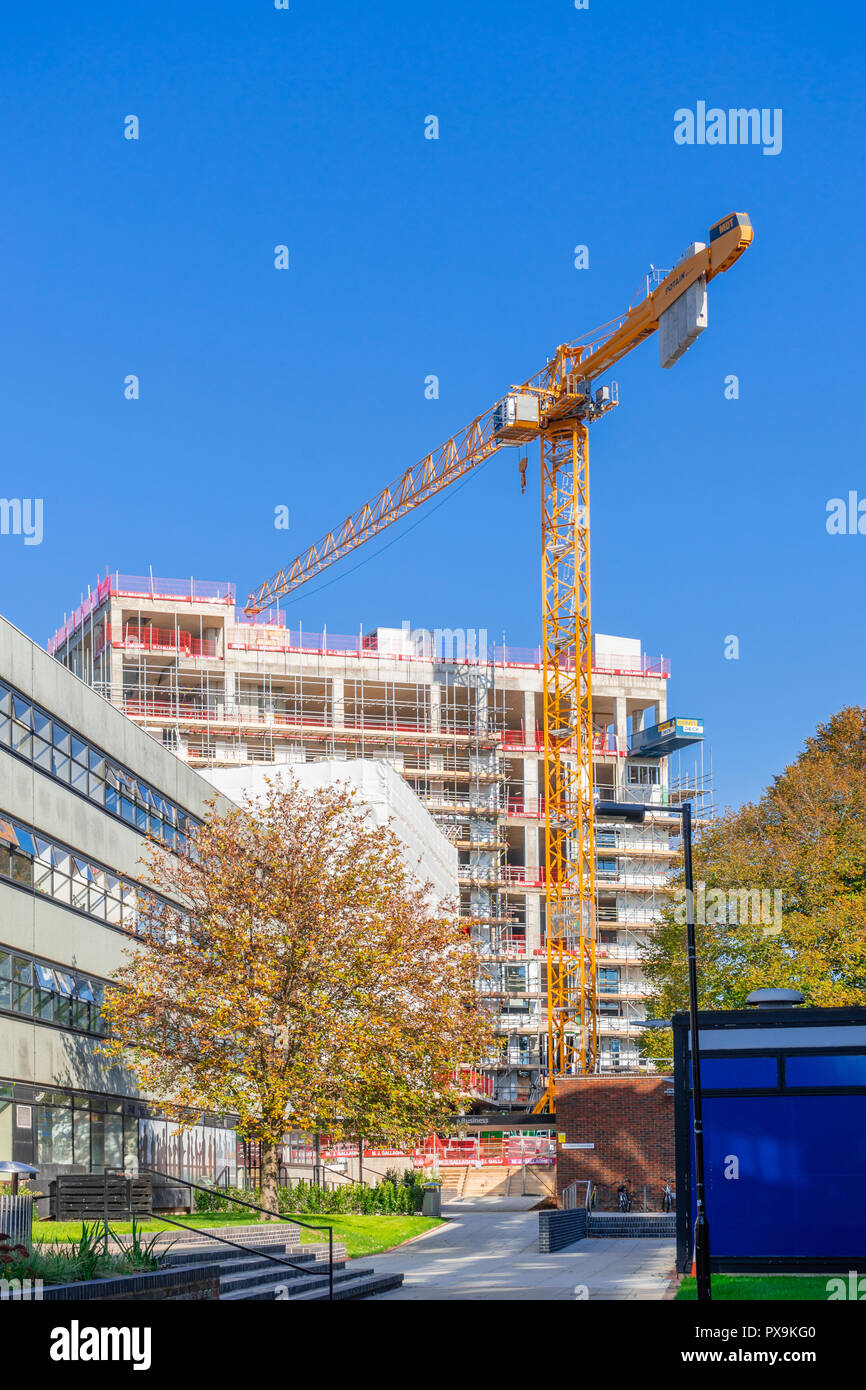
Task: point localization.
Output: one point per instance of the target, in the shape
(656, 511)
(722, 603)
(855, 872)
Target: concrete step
(210, 1251)
(611, 1225)
(248, 1274)
(348, 1283)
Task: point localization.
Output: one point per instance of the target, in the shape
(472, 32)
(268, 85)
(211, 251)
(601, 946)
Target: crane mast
(555, 406)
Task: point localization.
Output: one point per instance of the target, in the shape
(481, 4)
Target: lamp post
(635, 812)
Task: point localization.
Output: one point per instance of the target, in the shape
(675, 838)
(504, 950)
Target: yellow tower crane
(555, 406)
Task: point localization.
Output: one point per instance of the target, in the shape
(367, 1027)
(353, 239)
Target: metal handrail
(263, 1254)
(253, 1206)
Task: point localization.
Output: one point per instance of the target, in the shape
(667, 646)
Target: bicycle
(667, 1198)
(624, 1200)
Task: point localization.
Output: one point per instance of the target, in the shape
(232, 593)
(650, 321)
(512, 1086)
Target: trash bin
(432, 1199)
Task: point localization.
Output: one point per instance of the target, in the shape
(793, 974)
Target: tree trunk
(270, 1179)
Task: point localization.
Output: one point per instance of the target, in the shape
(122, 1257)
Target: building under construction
(461, 721)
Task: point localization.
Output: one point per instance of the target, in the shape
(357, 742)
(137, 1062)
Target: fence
(16, 1219)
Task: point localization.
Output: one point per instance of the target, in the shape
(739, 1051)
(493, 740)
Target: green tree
(805, 840)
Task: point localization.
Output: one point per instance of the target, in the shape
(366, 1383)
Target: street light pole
(702, 1230)
(636, 812)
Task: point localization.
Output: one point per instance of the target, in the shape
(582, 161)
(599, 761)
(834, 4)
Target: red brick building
(630, 1122)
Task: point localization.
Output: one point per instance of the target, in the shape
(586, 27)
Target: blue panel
(738, 1073)
(800, 1162)
(825, 1071)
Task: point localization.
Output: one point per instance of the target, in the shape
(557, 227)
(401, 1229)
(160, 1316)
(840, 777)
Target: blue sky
(455, 257)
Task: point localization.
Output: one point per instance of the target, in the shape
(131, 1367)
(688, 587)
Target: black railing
(253, 1206)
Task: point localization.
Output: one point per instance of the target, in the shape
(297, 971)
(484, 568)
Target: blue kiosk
(784, 1101)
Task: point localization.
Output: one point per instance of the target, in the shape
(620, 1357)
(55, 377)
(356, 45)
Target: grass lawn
(363, 1235)
(781, 1288)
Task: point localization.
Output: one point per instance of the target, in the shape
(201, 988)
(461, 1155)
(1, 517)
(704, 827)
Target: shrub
(83, 1259)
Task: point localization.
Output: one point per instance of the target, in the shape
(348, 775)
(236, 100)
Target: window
(639, 775)
(33, 734)
(22, 985)
(52, 870)
(49, 993)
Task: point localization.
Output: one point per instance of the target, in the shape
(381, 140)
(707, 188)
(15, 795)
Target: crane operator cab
(515, 418)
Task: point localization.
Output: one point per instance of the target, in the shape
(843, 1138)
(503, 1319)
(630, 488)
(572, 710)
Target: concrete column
(645, 718)
(533, 923)
(529, 713)
(435, 706)
(338, 701)
(621, 723)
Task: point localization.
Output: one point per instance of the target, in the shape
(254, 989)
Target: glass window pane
(42, 754)
(22, 998)
(61, 738)
(79, 750)
(62, 889)
(79, 777)
(97, 763)
(42, 877)
(22, 710)
(21, 739)
(44, 1004)
(25, 840)
(61, 766)
(81, 1132)
(42, 724)
(22, 870)
(53, 1135)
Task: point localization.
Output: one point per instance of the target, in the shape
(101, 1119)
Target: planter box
(181, 1283)
(556, 1229)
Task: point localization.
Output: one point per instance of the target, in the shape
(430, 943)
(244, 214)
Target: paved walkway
(489, 1250)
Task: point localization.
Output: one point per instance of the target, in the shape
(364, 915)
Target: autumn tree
(297, 974)
(805, 841)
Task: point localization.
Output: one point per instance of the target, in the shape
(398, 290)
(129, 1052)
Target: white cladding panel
(380, 788)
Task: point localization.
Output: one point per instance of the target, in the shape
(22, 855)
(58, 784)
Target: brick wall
(630, 1120)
